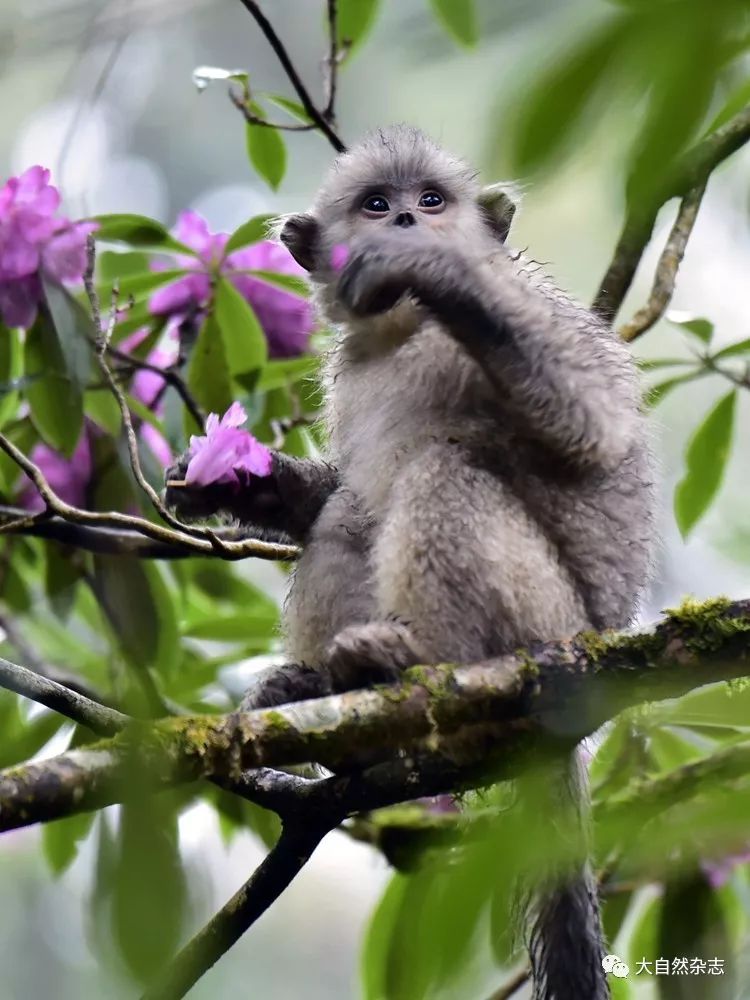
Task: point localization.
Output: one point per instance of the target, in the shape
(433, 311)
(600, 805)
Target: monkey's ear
(299, 234)
(498, 206)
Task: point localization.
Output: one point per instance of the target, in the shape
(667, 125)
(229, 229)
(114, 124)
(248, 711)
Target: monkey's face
(397, 184)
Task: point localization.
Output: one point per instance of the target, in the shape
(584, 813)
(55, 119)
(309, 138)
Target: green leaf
(55, 398)
(101, 406)
(61, 840)
(252, 231)
(137, 231)
(556, 104)
(706, 458)
(75, 331)
(737, 100)
(650, 364)
(693, 922)
(280, 372)
(208, 375)
(266, 150)
(244, 341)
(701, 328)
(235, 628)
(380, 938)
(289, 282)
(741, 347)
(293, 108)
(356, 19)
(656, 393)
(670, 750)
(139, 608)
(459, 17)
(148, 887)
(113, 264)
(63, 570)
(11, 368)
(138, 285)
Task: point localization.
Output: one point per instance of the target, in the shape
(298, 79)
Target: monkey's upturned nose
(404, 219)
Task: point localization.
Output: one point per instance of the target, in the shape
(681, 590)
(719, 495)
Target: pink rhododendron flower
(339, 256)
(227, 453)
(68, 477)
(287, 319)
(35, 243)
(720, 871)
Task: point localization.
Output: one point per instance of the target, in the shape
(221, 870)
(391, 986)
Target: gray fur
(494, 483)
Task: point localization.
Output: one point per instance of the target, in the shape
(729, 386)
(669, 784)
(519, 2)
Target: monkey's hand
(288, 500)
(382, 270)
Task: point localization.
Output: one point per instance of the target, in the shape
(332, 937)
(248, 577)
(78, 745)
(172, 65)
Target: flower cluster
(35, 242)
(227, 453)
(287, 319)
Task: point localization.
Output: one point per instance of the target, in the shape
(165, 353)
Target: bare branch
(692, 171)
(280, 866)
(294, 78)
(103, 540)
(98, 718)
(666, 269)
(332, 62)
(103, 337)
(171, 376)
(113, 519)
(513, 985)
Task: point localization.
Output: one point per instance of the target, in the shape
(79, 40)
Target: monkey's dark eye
(376, 204)
(431, 200)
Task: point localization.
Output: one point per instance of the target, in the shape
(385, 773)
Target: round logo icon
(613, 965)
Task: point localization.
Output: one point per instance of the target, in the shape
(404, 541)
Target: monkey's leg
(331, 589)
(461, 572)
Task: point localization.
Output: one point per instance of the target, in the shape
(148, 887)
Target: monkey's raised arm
(287, 502)
(555, 363)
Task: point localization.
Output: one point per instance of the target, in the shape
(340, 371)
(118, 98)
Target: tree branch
(294, 78)
(79, 708)
(666, 269)
(692, 171)
(280, 866)
(459, 726)
(113, 519)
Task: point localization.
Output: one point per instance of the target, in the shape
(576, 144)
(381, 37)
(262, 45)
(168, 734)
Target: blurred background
(101, 91)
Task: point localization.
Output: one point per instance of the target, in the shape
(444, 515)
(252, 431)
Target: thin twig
(100, 719)
(23, 522)
(102, 540)
(332, 62)
(666, 269)
(114, 519)
(280, 866)
(171, 376)
(693, 170)
(513, 985)
(294, 78)
(240, 102)
(103, 337)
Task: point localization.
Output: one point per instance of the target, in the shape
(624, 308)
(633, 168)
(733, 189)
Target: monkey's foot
(282, 685)
(374, 653)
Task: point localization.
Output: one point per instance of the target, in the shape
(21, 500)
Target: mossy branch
(461, 726)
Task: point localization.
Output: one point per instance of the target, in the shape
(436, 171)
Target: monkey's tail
(566, 941)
